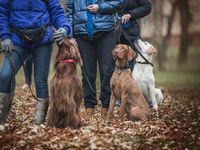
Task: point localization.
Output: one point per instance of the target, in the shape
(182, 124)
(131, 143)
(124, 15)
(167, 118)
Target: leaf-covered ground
(178, 127)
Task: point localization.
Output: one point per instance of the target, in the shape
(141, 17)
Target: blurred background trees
(173, 28)
(173, 23)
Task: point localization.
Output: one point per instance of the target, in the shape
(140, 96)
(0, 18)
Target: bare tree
(166, 39)
(158, 24)
(184, 39)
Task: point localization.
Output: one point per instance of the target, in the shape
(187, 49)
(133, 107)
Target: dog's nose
(116, 51)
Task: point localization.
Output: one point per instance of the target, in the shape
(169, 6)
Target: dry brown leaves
(178, 127)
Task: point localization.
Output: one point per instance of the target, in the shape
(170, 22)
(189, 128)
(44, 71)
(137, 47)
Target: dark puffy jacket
(137, 9)
(103, 20)
(30, 14)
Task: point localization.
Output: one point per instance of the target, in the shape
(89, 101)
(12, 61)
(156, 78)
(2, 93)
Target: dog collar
(123, 67)
(146, 63)
(68, 61)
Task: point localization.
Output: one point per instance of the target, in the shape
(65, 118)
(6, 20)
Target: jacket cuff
(5, 36)
(100, 8)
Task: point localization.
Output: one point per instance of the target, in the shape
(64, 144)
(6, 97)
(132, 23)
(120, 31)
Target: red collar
(68, 61)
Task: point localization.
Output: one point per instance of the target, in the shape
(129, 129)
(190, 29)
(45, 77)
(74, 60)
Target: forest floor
(177, 127)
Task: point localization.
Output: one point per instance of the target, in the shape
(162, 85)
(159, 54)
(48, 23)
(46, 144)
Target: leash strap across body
(131, 43)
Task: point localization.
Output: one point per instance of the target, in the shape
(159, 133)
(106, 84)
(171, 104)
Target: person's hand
(7, 45)
(59, 35)
(94, 8)
(125, 18)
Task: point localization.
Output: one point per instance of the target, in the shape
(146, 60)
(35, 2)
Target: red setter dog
(65, 88)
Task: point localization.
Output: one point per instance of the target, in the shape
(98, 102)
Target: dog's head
(122, 54)
(146, 47)
(68, 50)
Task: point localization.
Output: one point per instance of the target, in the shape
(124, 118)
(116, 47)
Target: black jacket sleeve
(143, 8)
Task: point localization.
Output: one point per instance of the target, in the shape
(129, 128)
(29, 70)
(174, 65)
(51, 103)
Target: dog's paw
(154, 113)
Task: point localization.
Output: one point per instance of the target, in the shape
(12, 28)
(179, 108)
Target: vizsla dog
(66, 90)
(124, 87)
(143, 75)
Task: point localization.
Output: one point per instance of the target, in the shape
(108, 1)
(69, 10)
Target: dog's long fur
(124, 88)
(66, 90)
(143, 74)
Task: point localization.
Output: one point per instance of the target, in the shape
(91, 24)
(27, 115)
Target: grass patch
(177, 78)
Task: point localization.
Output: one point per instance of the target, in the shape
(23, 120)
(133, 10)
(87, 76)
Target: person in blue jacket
(93, 23)
(133, 11)
(26, 28)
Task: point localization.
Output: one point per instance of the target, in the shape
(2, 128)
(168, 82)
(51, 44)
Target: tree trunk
(184, 39)
(166, 39)
(158, 15)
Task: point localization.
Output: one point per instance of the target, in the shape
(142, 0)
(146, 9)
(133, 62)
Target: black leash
(131, 43)
(87, 79)
(89, 83)
(146, 61)
(26, 73)
(13, 83)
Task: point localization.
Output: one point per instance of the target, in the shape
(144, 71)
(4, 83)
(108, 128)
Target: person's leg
(88, 54)
(105, 46)
(6, 71)
(9, 69)
(41, 58)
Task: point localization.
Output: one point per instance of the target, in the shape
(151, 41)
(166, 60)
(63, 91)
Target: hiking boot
(41, 111)
(5, 105)
(89, 112)
(104, 112)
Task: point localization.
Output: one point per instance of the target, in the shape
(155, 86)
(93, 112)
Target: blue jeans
(41, 57)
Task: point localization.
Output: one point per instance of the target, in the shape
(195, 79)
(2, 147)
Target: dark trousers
(97, 51)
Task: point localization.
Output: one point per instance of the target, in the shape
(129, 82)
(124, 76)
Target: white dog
(143, 74)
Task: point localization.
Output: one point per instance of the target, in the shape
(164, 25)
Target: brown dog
(66, 90)
(124, 87)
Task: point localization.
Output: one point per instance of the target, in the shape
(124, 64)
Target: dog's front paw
(154, 113)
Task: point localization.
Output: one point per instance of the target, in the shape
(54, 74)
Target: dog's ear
(151, 50)
(131, 53)
(114, 54)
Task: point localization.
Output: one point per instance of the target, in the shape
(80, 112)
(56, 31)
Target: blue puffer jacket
(103, 20)
(30, 14)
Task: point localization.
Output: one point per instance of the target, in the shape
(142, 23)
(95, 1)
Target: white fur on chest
(143, 75)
